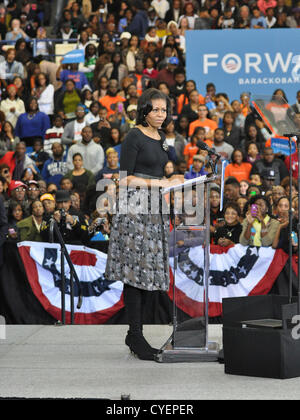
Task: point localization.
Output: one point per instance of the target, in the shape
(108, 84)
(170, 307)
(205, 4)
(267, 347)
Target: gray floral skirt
(138, 253)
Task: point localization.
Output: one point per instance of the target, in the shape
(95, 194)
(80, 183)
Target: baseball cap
(16, 184)
(131, 107)
(125, 35)
(173, 60)
(47, 197)
(62, 195)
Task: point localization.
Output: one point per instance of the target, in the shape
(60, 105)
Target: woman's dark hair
(36, 79)
(93, 104)
(152, 59)
(145, 106)
(27, 105)
(87, 54)
(11, 207)
(276, 97)
(19, 42)
(284, 196)
(237, 149)
(259, 136)
(31, 204)
(77, 154)
(233, 205)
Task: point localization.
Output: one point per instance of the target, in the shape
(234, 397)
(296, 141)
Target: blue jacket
(139, 24)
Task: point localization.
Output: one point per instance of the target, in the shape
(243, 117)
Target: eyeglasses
(20, 189)
(33, 189)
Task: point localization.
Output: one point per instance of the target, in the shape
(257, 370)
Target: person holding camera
(72, 225)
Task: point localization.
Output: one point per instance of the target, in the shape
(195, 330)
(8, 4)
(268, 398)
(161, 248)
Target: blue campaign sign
(75, 56)
(282, 145)
(240, 60)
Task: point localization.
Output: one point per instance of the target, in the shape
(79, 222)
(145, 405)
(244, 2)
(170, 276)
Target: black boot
(135, 339)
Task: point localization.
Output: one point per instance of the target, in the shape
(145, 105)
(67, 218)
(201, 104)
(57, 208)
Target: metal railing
(64, 255)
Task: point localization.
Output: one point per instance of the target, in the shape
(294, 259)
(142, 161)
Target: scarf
(256, 231)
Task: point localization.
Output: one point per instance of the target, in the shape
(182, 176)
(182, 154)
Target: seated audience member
(282, 237)
(244, 185)
(73, 129)
(259, 228)
(29, 228)
(112, 165)
(203, 121)
(253, 190)
(175, 140)
(285, 183)
(252, 153)
(220, 146)
(66, 101)
(8, 140)
(170, 169)
(39, 156)
(238, 168)
(190, 150)
(216, 215)
(231, 189)
(72, 73)
(17, 192)
(10, 68)
(72, 224)
(241, 202)
(12, 106)
(91, 152)
(32, 123)
(14, 215)
(268, 179)
(229, 233)
(268, 161)
(256, 179)
(53, 134)
(49, 204)
(197, 168)
(55, 167)
(277, 192)
(33, 191)
(79, 175)
(66, 184)
(17, 161)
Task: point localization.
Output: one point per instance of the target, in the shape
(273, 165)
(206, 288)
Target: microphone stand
(290, 135)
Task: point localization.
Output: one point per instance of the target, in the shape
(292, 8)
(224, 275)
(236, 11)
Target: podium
(189, 262)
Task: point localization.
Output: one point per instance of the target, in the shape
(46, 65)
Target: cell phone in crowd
(253, 210)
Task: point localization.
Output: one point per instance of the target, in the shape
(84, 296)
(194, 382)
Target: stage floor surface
(93, 362)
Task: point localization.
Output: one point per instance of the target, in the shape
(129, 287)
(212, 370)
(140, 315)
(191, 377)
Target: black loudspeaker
(259, 338)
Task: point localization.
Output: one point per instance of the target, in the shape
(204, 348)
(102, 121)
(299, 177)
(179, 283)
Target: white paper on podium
(184, 184)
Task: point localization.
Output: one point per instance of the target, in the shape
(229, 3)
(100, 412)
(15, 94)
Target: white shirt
(46, 100)
(77, 129)
(161, 7)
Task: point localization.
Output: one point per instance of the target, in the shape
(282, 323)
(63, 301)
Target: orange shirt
(109, 102)
(184, 100)
(240, 172)
(207, 124)
(190, 150)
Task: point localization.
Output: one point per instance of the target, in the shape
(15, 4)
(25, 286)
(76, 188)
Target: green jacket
(27, 230)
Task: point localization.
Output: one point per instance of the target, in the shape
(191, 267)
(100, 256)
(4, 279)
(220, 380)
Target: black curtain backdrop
(19, 305)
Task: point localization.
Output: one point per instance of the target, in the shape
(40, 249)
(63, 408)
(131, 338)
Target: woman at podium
(138, 253)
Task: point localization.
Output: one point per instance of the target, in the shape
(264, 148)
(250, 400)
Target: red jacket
(10, 160)
(295, 164)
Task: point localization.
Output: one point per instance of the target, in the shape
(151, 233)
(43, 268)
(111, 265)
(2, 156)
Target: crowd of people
(62, 125)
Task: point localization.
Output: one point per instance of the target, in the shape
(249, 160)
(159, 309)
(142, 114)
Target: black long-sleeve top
(143, 154)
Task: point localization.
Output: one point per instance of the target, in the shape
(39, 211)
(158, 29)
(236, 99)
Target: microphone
(210, 151)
